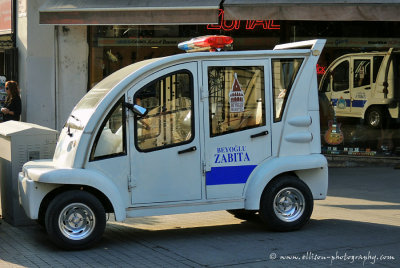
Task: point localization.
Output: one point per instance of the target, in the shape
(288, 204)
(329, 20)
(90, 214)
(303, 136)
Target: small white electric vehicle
(194, 132)
(364, 85)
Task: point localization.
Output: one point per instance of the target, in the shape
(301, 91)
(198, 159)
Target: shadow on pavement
(230, 244)
(368, 183)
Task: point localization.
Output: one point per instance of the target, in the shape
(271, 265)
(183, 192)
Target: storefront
(359, 93)
(7, 68)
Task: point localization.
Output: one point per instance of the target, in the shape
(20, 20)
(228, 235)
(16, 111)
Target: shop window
(236, 98)
(341, 77)
(284, 72)
(110, 141)
(326, 85)
(377, 61)
(169, 121)
(362, 73)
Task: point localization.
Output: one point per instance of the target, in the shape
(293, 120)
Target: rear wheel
(286, 204)
(75, 220)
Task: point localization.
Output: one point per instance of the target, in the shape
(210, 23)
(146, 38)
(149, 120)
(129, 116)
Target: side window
(326, 86)
(377, 61)
(341, 77)
(362, 73)
(284, 72)
(236, 98)
(169, 121)
(111, 141)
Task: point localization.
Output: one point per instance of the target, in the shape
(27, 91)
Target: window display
(362, 86)
(3, 93)
(358, 72)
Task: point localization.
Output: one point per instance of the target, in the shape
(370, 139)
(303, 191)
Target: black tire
(87, 220)
(243, 214)
(41, 222)
(295, 206)
(375, 117)
(42, 218)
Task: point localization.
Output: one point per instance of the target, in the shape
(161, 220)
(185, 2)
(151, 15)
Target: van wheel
(286, 204)
(375, 117)
(75, 220)
(243, 214)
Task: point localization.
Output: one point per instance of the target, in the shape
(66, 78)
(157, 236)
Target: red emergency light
(203, 43)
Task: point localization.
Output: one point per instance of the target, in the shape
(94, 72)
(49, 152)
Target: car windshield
(87, 105)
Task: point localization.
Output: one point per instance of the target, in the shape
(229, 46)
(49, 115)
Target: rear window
(284, 72)
(376, 66)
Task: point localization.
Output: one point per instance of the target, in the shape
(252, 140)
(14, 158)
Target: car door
(165, 152)
(236, 123)
(362, 83)
(340, 93)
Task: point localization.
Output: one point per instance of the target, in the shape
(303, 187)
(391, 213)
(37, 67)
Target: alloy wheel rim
(76, 221)
(289, 204)
(374, 118)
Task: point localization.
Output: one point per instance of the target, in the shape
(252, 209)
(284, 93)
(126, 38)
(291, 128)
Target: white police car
(204, 131)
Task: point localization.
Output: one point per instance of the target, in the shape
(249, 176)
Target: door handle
(347, 91)
(188, 150)
(264, 133)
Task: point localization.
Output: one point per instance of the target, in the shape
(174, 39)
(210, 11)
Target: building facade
(66, 47)
(8, 51)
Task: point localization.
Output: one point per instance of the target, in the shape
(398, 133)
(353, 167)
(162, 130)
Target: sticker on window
(236, 97)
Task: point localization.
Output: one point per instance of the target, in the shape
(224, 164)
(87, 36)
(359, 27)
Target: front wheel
(286, 204)
(75, 220)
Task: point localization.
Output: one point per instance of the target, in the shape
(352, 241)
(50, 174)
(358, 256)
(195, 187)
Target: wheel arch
(383, 107)
(311, 169)
(91, 181)
(104, 200)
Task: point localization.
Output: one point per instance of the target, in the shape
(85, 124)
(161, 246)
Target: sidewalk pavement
(358, 225)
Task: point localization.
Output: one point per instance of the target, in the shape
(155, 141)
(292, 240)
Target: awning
(134, 12)
(321, 10)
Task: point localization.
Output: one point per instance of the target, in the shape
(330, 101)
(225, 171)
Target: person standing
(12, 107)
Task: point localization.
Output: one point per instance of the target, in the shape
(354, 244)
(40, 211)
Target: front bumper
(26, 193)
(31, 194)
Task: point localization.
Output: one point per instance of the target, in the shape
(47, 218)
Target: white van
(194, 132)
(364, 85)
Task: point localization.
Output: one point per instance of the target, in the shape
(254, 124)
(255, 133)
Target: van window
(169, 121)
(236, 98)
(284, 72)
(110, 141)
(377, 65)
(362, 73)
(341, 77)
(326, 85)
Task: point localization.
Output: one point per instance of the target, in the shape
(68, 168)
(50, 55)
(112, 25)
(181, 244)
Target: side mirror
(136, 109)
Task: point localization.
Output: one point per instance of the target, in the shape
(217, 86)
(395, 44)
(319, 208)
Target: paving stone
(360, 217)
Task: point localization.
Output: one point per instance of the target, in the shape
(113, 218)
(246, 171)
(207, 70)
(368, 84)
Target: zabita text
(231, 154)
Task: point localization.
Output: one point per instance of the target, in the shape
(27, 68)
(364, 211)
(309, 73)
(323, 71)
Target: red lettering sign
(235, 24)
